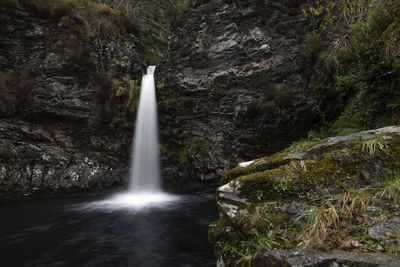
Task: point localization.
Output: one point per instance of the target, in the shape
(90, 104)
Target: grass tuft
(318, 222)
(392, 188)
(355, 202)
(372, 145)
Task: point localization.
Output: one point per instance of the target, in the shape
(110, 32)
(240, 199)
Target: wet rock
(235, 80)
(385, 230)
(7, 150)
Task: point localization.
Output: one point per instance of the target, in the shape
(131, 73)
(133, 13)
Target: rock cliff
(62, 125)
(234, 85)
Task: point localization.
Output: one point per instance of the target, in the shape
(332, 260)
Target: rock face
(340, 193)
(234, 85)
(58, 118)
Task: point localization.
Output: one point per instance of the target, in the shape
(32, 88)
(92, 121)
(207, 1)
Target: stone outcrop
(341, 193)
(234, 85)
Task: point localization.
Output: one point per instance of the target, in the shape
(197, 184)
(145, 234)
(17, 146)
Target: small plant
(318, 135)
(128, 91)
(355, 202)
(302, 144)
(227, 250)
(314, 46)
(318, 222)
(246, 258)
(266, 242)
(392, 187)
(394, 247)
(372, 145)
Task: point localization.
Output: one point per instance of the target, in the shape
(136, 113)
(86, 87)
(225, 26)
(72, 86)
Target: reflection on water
(89, 232)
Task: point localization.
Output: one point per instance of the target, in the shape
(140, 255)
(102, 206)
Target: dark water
(65, 232)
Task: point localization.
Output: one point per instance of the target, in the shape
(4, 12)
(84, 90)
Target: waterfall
(145, 166)
(144, 177)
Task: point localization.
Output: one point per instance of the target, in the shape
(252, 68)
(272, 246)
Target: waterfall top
(151, 70)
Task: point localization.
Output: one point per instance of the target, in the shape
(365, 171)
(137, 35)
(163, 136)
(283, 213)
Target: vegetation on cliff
(356, 47)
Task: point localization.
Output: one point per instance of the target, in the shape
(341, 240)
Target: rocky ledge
(333, 202)
(37, 160)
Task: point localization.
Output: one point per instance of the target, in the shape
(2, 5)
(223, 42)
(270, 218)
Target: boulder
(314, 196)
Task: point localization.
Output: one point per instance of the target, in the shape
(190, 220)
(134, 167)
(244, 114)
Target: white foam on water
(132, 201)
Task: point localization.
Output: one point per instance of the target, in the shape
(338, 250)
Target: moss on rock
(320, 195)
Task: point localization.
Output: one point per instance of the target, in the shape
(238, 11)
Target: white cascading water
(144, 179)
(145, 167)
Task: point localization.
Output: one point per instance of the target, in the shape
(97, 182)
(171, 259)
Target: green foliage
(318, 135)
(372, 145)
(266, 242)
(349, 11)
(364, 60)
(227, 250)
(128, 93)
(345, 85)
(302, 144)
(392, 187)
